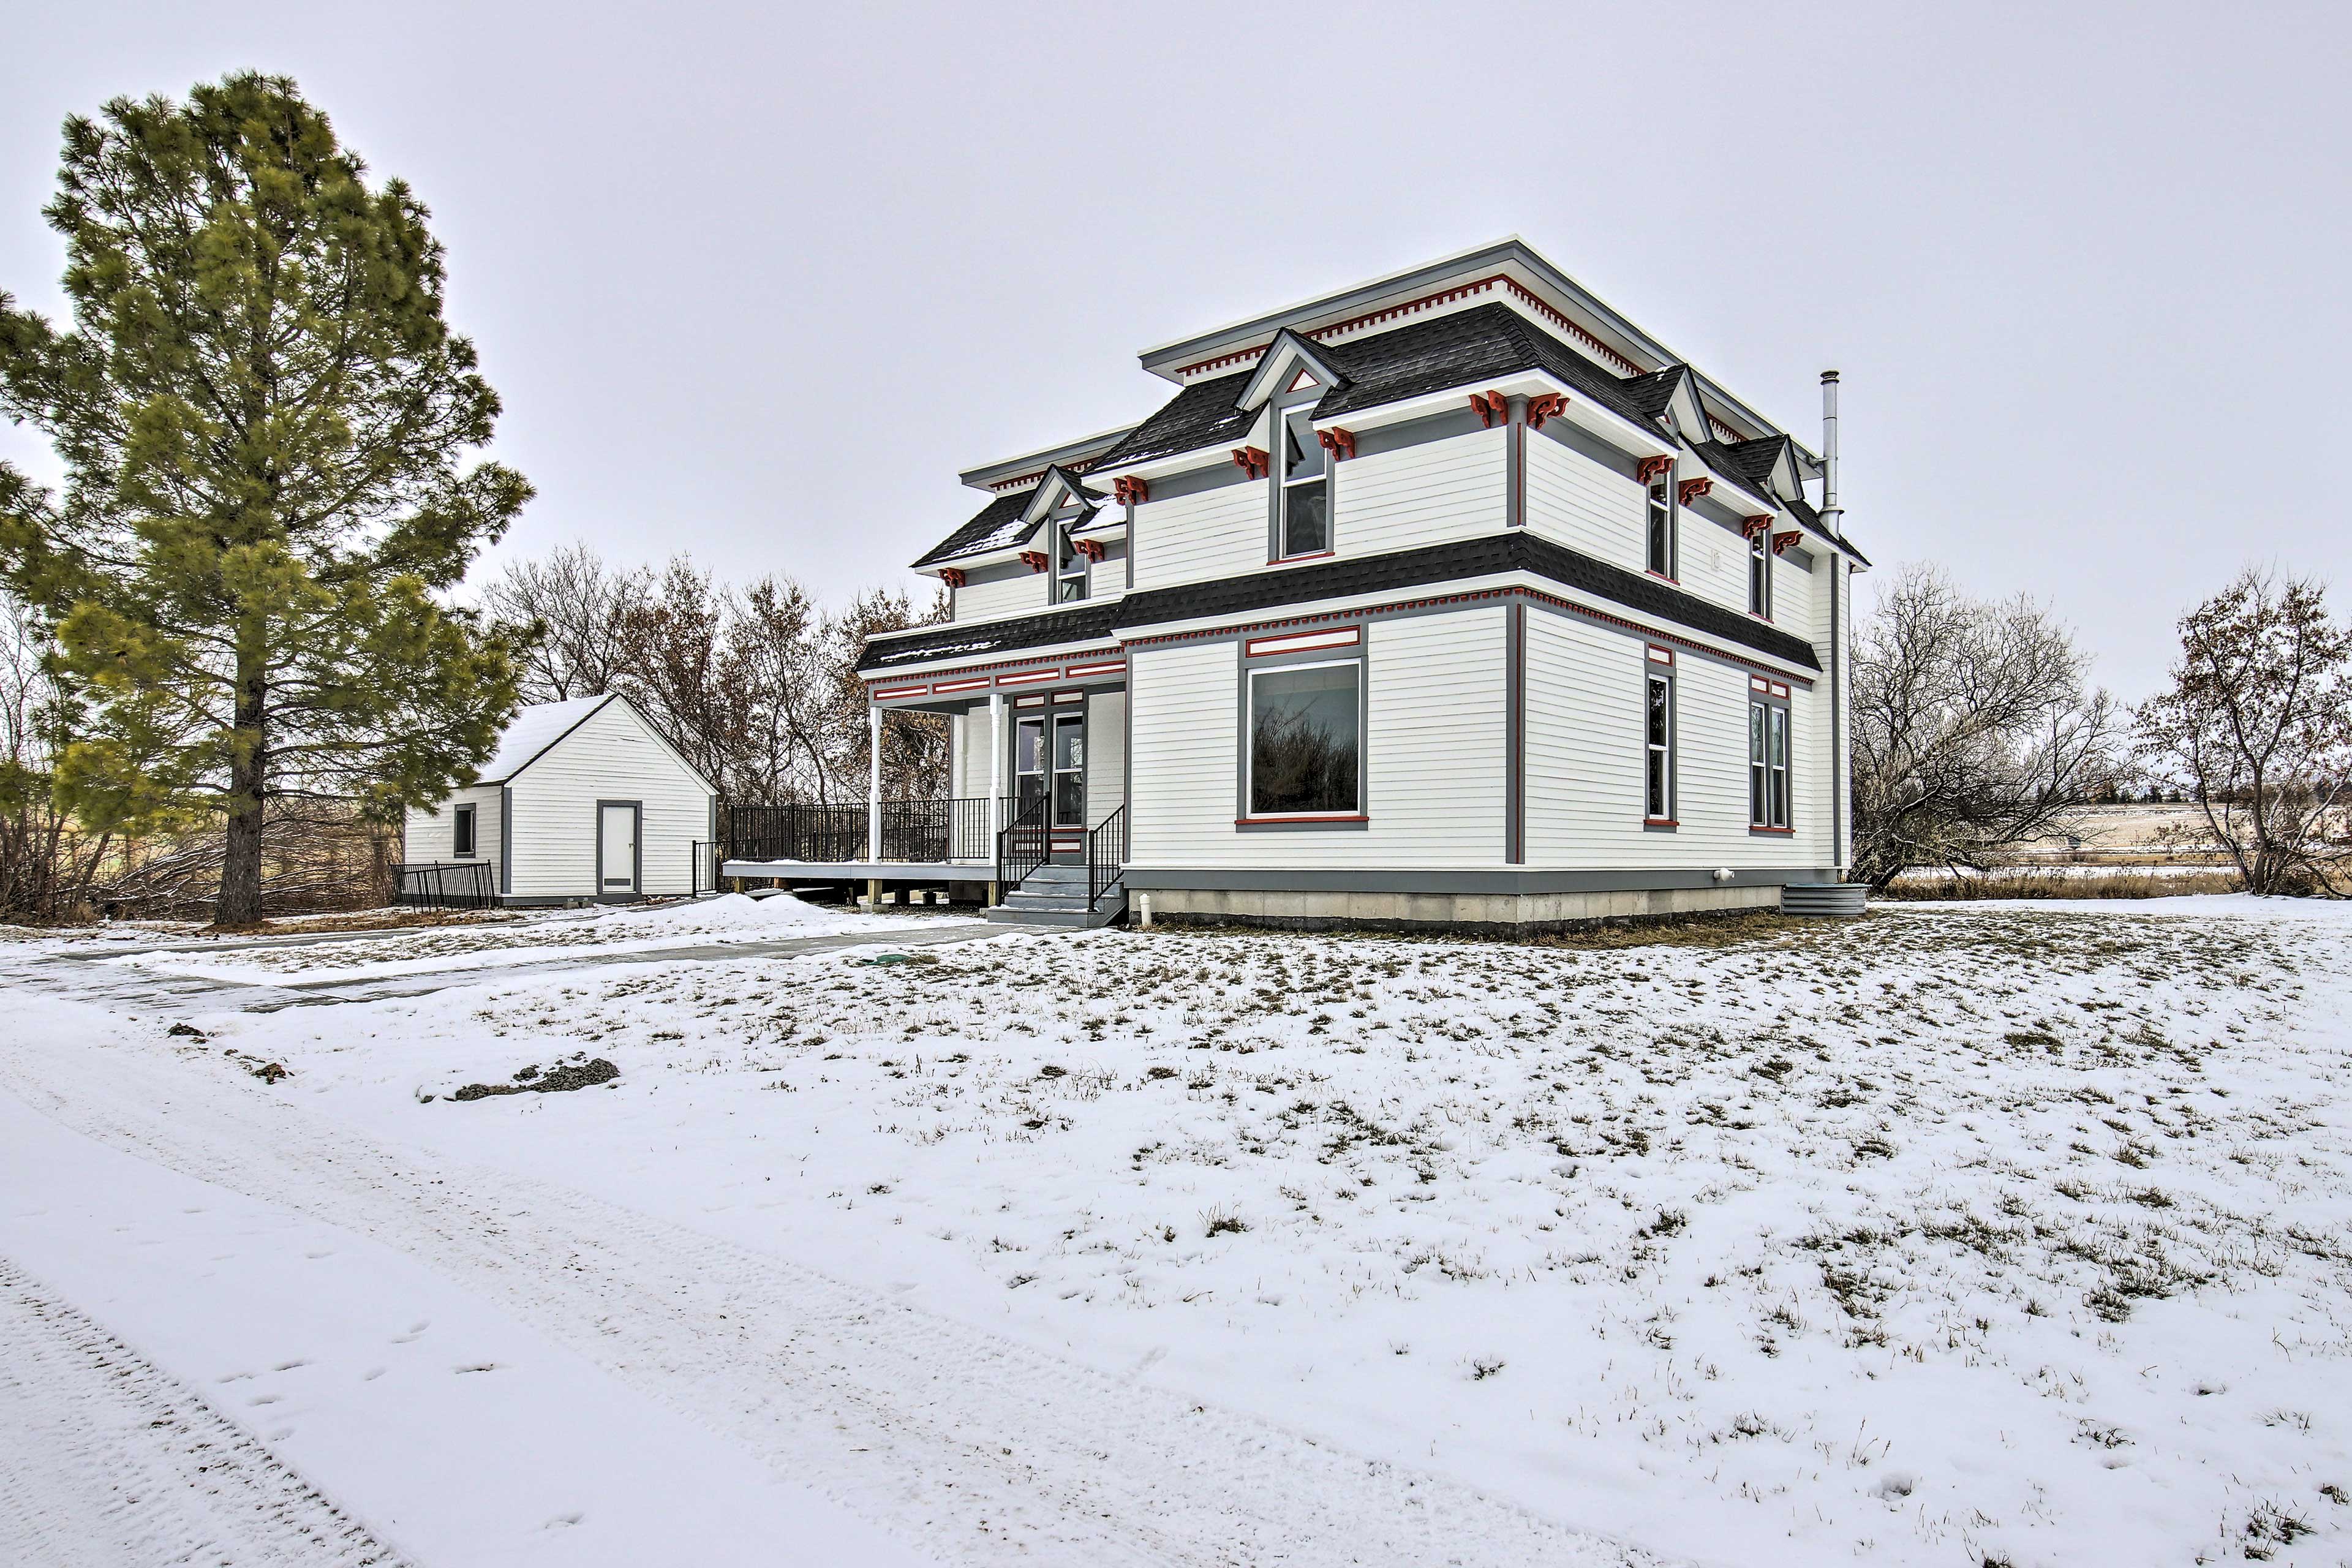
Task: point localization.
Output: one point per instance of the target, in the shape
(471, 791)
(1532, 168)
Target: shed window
(1069, 566)
(1305, 725)
(462, 845)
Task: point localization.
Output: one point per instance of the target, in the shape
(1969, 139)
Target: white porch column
(874, 782)
(995, 764)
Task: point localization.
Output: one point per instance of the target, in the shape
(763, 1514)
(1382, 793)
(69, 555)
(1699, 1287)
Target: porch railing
(1024, 844)
(459, 885)
(709, 855)
(924, 830)
(1106, 854)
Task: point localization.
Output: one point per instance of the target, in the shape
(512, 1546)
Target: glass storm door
(1069, 809)
(1029, 771)
(616, 848)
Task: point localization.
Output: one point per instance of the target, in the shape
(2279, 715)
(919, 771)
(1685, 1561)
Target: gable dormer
(1292, 365)
(1056, 494)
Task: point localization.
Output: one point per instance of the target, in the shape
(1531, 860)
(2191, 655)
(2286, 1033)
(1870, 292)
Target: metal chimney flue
(1830, 511)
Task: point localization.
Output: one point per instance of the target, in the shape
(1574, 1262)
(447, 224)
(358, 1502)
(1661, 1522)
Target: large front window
(1305, 527)
(1305, 741)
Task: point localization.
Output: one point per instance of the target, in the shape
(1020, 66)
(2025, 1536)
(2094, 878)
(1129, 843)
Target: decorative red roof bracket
(1337, 442)
(1690, 490)
(1548, 405)
(1128, 491)
(1253, 461)
(952, 576)
(1035, 560)
(1780, 542)
(1649, 469)
(1752, 526)
(1493, 407)
(1092, 549)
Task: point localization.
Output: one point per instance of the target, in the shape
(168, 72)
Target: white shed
(583, 801)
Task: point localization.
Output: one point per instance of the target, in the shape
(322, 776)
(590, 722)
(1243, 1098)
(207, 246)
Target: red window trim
(1310, 555)
(1335, 816)
(1758, 827)
(1662, 577)
(1661, 822)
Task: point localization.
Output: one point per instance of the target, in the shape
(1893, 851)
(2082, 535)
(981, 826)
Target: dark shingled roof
(1518, 550)
(1387, 367)
(1084, 622)
(996, 526)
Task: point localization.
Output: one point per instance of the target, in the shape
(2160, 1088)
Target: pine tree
(268, 434)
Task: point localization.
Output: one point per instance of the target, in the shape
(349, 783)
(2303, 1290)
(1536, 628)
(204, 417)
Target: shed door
(616, 848)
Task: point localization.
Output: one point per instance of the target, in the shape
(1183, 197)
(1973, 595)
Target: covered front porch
(1039, 794)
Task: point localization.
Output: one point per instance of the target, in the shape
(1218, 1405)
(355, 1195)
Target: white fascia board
(1111, 523)
(984, 475)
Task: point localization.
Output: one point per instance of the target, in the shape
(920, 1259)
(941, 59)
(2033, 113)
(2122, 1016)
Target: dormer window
(1661, 524)
(1304, 527)
(1070, 565)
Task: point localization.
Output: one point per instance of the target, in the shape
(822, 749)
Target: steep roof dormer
(1056, 489)
(1291, 363)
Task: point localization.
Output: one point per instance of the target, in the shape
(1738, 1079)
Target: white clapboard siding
(1202, 536)
(969, 733)
(1432, 768)
(1021, 596)
(1798, 602)
(430, 836)
(1573, 501)
(1106, 754)
(1711, 562)
(613, 756)
(1422, 494)
(1584, 758)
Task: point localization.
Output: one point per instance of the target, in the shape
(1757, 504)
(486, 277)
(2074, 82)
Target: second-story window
(1658, 747)
(1305, 528)
(1069, 566)
(1759, 573)
(1659, 524)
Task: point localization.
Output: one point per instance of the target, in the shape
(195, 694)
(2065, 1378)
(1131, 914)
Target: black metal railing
(709, 855)
(1105, 854)
(924, 830)
(458, 885)
(1024, 844)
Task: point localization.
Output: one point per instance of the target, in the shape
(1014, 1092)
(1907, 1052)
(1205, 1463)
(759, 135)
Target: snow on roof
(534, 729)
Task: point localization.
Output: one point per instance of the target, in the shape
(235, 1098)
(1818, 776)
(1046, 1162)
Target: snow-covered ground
(733, 918)
(1963, 1234)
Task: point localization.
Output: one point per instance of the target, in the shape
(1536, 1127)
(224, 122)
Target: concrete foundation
(1494, 914)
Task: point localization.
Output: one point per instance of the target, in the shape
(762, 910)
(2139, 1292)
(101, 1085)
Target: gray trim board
(506, 841)
(1515, 740)
(637, 850)
(1280, 879)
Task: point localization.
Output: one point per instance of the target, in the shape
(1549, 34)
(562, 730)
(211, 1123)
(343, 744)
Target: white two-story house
(1453, 598)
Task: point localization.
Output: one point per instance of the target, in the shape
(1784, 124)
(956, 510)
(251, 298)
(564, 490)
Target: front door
(616, 849)
(1069, 809)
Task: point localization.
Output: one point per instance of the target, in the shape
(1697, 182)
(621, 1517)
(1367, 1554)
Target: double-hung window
(1658, 739)
(1306, 724)
(1070, 565)
(1660, 525)
(1768, 759)
(462, 835)
(1304, 524)
(1759, 572)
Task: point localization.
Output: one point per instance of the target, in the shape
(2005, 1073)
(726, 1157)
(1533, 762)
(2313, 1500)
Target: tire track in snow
(983, 1450)
(105, 1459)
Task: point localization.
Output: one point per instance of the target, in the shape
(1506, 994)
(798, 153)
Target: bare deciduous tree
(2257, 726)
(1974, 728)
(577, 611)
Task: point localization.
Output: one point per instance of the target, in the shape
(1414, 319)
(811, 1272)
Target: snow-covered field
(733, 918)
(1963, 1234)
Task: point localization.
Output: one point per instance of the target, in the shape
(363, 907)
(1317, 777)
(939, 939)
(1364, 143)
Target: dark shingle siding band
(1487, 556)
(987, 639)
(1491, 555)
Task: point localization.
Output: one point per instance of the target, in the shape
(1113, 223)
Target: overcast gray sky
(754, 282)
